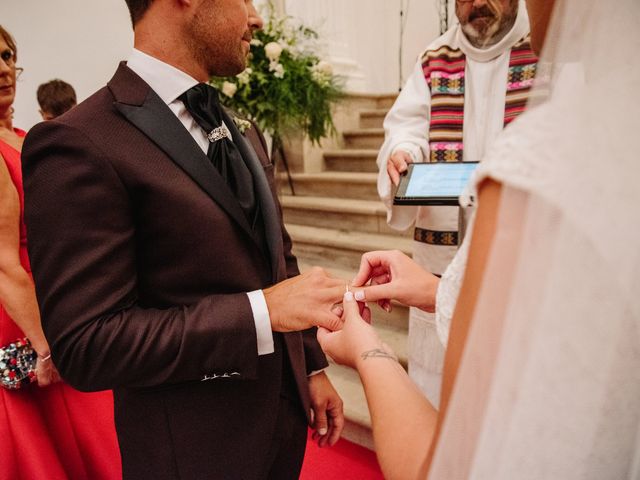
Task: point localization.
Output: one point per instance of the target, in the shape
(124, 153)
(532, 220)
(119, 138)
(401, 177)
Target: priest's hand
(305, 301)
(397, 164)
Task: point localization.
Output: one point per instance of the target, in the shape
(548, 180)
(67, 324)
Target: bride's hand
(357, 336)
(394, 276)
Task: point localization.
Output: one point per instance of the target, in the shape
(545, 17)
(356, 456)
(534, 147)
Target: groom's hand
(305, 301)
(327, 411)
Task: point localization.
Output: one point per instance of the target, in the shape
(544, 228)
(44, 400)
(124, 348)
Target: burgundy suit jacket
(141, 258)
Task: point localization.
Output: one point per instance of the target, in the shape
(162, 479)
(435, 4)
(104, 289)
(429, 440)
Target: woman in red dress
(48, 430)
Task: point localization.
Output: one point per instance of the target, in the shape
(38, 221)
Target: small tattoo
(378, 353)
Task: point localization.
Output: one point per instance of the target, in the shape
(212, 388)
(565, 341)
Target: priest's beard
(486, 36)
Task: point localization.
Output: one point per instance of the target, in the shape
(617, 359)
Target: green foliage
(286, 87)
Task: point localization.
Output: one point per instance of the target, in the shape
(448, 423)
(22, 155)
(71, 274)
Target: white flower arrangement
(273, 50)
(242, 124)
(229, 89)
(286, 86)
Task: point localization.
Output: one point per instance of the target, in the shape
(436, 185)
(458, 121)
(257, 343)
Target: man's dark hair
(56, 97)
(137, 9)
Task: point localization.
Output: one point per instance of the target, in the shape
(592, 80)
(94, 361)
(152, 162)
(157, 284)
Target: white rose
(325, 68)
(229, 89)
(279, 71)
(273, 51)
(244, 77)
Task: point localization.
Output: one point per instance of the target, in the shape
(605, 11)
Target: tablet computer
(434, 183)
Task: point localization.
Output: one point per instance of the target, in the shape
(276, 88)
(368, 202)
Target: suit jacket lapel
(273, 232)
(143, 108)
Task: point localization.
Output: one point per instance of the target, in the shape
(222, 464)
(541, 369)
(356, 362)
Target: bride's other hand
(357, 336)
(394, 276)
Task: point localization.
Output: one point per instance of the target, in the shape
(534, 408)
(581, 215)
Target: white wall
(368, 31)
(79, 41)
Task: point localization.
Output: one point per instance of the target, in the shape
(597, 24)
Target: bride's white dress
(449, 288)
(549, 383)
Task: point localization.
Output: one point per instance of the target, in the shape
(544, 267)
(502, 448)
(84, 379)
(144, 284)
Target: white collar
(518, 31)
(166, 80)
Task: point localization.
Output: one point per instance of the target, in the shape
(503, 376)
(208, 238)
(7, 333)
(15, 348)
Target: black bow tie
(203, 104)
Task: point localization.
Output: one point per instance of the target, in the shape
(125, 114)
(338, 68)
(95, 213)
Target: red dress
(54, 432)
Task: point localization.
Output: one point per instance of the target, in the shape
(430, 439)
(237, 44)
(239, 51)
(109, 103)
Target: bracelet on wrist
(44, 358)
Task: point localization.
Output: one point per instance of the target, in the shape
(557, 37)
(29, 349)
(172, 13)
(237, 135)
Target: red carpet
(344, 461)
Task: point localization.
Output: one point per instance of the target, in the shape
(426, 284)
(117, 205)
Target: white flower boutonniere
(242, 124)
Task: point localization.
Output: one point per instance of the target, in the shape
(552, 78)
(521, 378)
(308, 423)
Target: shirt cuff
(412, 149)
(315, 372)
(262, 321)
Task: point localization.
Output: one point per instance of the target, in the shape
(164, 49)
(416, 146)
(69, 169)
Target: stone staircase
(336, 216)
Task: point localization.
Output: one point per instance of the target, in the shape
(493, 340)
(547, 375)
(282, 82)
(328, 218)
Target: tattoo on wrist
(378, 353)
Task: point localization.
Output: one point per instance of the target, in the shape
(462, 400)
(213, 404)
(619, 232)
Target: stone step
(371, 100)
(340, 249)
(355, 185)
(364, 138)
(372, 118)
(396, 320)
(386, 100)
(339, 213)
(351, 160)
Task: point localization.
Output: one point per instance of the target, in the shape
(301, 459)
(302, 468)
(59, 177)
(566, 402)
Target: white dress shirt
(169, 83)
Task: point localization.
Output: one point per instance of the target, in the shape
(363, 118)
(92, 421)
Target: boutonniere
(242, 124)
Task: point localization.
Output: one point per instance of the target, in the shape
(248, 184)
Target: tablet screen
(434, 183)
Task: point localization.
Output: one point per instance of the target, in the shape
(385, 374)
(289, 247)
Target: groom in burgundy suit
(162, 266)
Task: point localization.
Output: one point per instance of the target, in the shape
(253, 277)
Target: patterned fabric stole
(444, 71)
(523, 65)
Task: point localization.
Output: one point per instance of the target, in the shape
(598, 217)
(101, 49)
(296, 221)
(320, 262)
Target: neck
(168, 55)
(159, 36)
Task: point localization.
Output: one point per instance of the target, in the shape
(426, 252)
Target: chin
(6, 101)
(483, 36)
(471, 32)
(228, 70)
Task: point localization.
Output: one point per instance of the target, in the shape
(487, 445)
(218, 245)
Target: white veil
(549, 384)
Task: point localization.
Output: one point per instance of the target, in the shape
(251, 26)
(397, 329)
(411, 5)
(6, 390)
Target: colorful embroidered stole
(444, 71)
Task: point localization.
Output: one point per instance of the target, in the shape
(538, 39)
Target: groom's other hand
(327, 410)
(305, 301)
